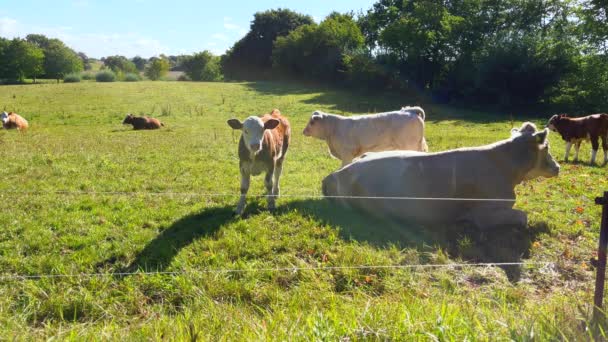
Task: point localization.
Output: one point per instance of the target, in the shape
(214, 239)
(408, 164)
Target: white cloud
(8, 27)
(93, 44)
(219, 36)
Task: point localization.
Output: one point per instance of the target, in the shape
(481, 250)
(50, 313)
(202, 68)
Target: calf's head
(128, 120)
(4, 117)
(253, 131)
(314, 128)
(552, 124)
(543, 163)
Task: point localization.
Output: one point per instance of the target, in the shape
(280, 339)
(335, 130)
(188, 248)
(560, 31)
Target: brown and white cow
(13, 121)
(142, 122)
(576, 130)
(468, 184)
(350, 136)
(262, 147)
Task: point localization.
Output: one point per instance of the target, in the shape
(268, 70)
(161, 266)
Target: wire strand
(269, 269)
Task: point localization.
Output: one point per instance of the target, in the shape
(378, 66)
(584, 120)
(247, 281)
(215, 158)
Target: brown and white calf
(13, 120)
(262, 147)
(576, 130)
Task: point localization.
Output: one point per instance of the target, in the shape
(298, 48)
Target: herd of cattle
(387, 170)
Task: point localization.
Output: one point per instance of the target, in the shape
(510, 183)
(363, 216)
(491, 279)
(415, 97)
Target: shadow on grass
(359, 102)
(158, 253)
(501, 244)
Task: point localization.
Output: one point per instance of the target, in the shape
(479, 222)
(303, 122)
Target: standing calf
(350, 137)
(13, 120)
(142, 122)
(576, 130)
(262, 147)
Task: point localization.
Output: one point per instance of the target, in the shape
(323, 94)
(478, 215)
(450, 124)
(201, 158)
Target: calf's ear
(271, 124)
(235, 124)
(541, 137)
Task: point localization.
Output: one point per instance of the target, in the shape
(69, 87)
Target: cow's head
(544, 165)
(552, 124)
(314, 128)
(4, 117)
(526, 128)
(128, 119)
(253, 131)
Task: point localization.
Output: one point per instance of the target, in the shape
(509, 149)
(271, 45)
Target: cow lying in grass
(13, 121)
(350, 137)
(576, 130)
(142, 122)
(448, 182)
(262, 147)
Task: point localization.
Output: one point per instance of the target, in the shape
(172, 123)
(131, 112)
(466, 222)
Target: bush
(87, 76)
(131, 77)
(183, 77)
(105, 76)
(71, 78)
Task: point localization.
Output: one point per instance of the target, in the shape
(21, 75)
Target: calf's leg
(577, 147)
(568, 147)
(268, 183)
(276, 190)
(245, 179)
(595, 145)
(605, 148)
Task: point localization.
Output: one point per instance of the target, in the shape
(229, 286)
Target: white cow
(350, 137)
(438, 187)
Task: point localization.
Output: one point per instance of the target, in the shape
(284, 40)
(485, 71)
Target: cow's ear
(235, 124)
(271, 124)
(515, 132)
(541, 137)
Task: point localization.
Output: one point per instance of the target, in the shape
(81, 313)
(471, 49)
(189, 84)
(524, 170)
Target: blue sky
(150, 27)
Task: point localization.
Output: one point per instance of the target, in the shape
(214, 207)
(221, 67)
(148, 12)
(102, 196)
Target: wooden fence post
(598, 311)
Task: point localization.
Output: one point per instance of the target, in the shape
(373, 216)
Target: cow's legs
(568, 147)
(276, 189)
(605, 148)
(269, 187)
(595, 145)
(577, 147)
(245, 178)
(490, 217)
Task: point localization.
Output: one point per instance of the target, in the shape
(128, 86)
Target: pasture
(83, 194)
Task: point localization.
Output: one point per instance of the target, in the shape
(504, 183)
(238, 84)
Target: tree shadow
(503, 244)
(158, 253)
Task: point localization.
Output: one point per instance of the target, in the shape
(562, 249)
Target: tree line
(508, 53)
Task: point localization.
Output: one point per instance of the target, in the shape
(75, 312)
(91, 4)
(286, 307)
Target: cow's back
(389, 131)
(277, 139)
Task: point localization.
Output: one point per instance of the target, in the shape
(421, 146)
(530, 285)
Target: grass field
(133, 200)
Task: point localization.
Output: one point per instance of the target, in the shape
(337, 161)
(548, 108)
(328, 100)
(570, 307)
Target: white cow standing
(432, 188)
(350, 137)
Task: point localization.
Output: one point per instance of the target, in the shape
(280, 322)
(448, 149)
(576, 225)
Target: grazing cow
(350, 137)
(262, 147)
(13, 120)
(411, 185)
(142, 122)
(576, 130)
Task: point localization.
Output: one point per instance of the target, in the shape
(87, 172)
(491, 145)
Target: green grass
(77, 144)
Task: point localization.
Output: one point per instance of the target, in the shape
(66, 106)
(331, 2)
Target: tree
(319, 50)
(202, 66)
(120, 64)
(255, 49)
(140, 63)
(157, 68)
(85, 60)
(21, 60)
(60, 60)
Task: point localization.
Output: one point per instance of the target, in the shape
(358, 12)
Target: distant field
(134, 202)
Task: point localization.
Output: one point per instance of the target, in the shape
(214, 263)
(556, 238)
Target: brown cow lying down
(13, 120)
(576, 130)
(262, 147)
(142, 122)
(486, 172)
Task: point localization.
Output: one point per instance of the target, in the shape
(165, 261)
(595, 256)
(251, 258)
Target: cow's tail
(418, 110)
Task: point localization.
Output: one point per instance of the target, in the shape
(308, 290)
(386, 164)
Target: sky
(150, 27)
